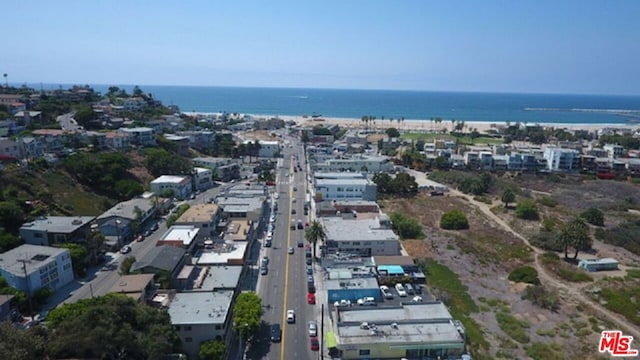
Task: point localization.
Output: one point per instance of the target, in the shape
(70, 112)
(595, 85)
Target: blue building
(352, 289)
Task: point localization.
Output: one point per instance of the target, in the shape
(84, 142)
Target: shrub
(548, 201)
(513, 327)
(593, 216)
(525, 274)
(406, 228)
(454, 220)
(542, 297)
(527, 210)
(546, 240)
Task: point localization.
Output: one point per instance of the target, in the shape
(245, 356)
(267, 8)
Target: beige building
(202, 216)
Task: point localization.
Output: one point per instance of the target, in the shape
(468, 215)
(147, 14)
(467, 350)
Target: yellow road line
(286, 270)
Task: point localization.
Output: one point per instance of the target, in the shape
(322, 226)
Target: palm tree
(575, 234)
(314, 233)
(6, 81)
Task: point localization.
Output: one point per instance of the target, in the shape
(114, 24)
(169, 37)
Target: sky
(578, 47)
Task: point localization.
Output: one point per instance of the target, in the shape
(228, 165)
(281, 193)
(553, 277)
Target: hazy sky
(496, 46)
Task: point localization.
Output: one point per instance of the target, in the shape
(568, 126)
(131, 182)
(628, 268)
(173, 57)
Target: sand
(428, 126)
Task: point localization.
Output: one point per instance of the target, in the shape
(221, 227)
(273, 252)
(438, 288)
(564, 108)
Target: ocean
(412, 105)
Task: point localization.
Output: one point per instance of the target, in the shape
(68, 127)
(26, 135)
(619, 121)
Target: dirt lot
(484, 255)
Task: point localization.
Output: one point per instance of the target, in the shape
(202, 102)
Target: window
(187, 328)
(218, 326)
(177, 327)
(37, 235)
(188, 339)
(365, 352)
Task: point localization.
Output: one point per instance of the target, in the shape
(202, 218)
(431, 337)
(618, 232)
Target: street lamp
(118, 222)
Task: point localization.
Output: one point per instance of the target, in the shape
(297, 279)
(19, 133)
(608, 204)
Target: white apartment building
(181, 185)
(345, 186)
(559, 159)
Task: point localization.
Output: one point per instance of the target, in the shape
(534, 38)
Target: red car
(140, 238)
(314, 344)
(311, 298)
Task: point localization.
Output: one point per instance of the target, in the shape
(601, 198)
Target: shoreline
(425, 125)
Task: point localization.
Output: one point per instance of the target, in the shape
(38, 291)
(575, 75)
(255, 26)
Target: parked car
(342, 303)
(409, 288)
(367, 301)
(401, 291)
(264, 270)
(291, 316)
(386, 293)
(140, 238)
(313, 343)
(125, 249)
(311, 298)
(312, 328)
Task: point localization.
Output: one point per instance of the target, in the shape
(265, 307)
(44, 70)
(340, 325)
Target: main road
(285, 286)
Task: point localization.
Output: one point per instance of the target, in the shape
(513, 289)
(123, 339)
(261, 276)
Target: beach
(429, 126)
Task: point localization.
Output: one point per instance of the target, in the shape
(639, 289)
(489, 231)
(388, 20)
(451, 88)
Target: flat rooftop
(172, 179)
(236, 230)
(200, 307)
(35, 256)
(184, 233)
(199, 213)
(339, 229)
(221, 277)
(352, 283)
(343, 181)
(413, 323)
(58, 224)
(132, 283)
(224, 254)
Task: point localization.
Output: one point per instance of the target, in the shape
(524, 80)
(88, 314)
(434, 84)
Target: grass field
(461, 140)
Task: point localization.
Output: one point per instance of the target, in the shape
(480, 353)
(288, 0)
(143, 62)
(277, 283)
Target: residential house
(30, 268)
(355, 163)
(181, 236)
(210, 278)
(53, 140)
(140, 136)
(5, 307)
(204, 217)
(202, 178)
(164, 258)
(118, 223)
(198, 317)
(10, 148)
(226, 169)
(180, 185)
(200, 140)
(559, 159)
(139, 287)
(117, 140)
(268, 149)
(500, 162)
(614, 151)
(50, 230)
(180, 143)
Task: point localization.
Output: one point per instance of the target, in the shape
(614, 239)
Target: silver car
(313, 328)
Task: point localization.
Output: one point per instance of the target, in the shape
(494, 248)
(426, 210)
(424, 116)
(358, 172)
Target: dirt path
(567, 289)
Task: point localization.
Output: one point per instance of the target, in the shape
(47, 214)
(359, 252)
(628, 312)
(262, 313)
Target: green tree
(18, 344)
(454, 220)
(247, 314)
(125, 265)
(313, 233)
(212, 350)
(526, 209)
(9, 241)
(392, 132)
(84, 115)
(134, 331)
(78, 255)
(160, 161)
(508, 196)
(11, 216)
(575, 234)
(382, 180)
(593, 216)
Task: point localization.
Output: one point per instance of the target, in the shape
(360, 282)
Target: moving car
(125, 249)
(293, 211)
(291, 316)
(312, 328)
(300, 226)
(264, 270)
(276, 333)
(291, 250)
(300, 243)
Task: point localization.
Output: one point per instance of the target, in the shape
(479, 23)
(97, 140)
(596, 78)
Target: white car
(272, 219)
(401, 291)
(386, 293)
(367, 301)
(313, 328)
(342, 303)
(276, 196)
(291, 316)
(417, 298)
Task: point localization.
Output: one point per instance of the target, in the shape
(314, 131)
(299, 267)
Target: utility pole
(26, 279)
(321, 332)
